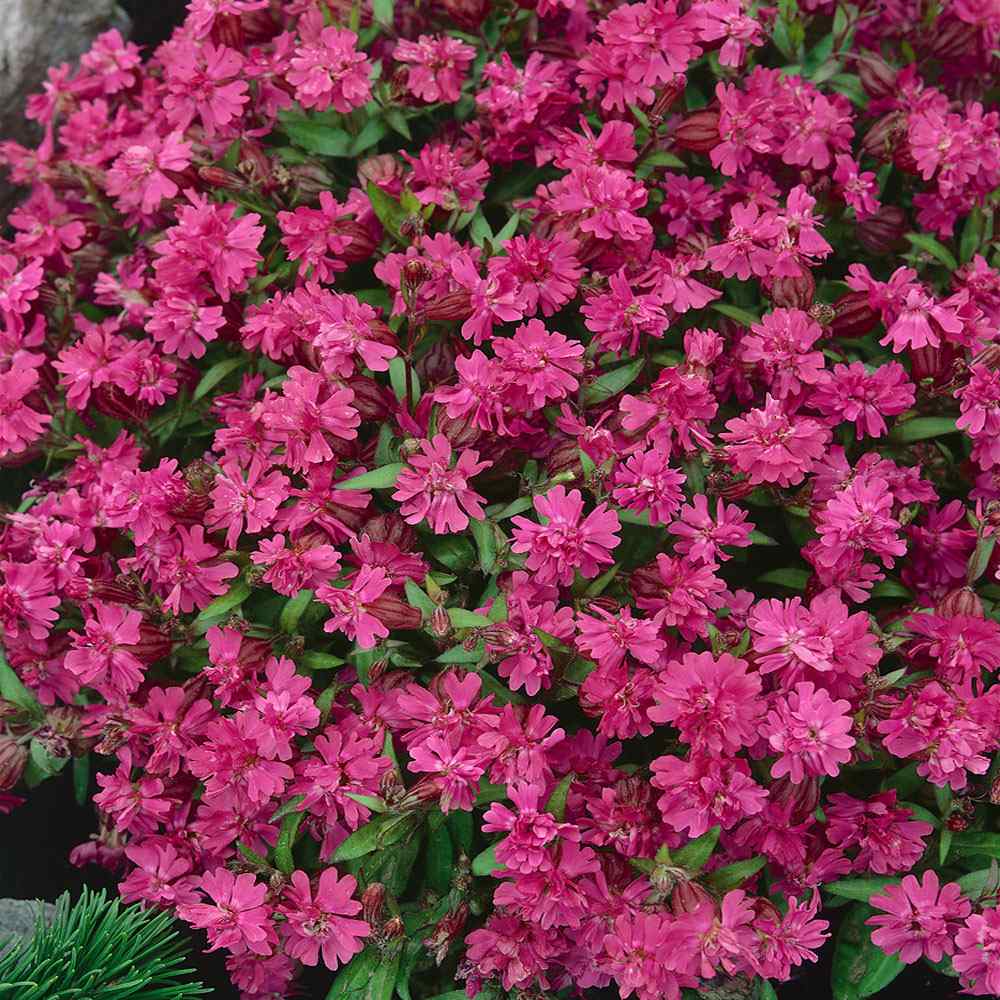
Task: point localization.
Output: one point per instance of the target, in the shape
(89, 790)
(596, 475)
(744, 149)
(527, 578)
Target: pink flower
(858, 520)
(202, 80)
(609, 637)
(20, 424)
(888, 838)
(921, 918)
(781, 346)
(620, 318)
(101, 658)
(529, 830)
(161, 876)
(980, 416)
(543, 366)
(977, 953)
(682, 593)
(639, 962)
(850, 392)
(319, 921)
(317, 237)
(645, 481)
(330, 70)
(438, 64)
(771, 446)
(566, 541)
(455, 770)
(702, 537)
(349, 605)
(810, 731)
(192, 575)
(238, 918)
(304, 565)
(308, 412)
(184, 324)
(27, 600)
(245, 500)
(713, 703)
(546, 271)
(448, 177)
(137, 180)
(430, 487)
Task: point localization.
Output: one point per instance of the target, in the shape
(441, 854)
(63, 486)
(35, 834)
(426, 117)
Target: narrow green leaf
(460, 618)
(223, 604)
(980, 559)
(693, 855)
(287, 808)
(81, 779)
(485, 863)
(922, 428)
(971, 842)
(314, 660)
(316, 137)
(613, 382)
(283, 858)
(215, 375)
(731, 876)
(13, 690)
(793, 579)
(742, 316)
(293, 610)
(937, 250)
(418, 599)
(378, 479)
(860, 968)
(557, 800)
(486, 543)
(859, 888)
(388, 211)
(972, 235)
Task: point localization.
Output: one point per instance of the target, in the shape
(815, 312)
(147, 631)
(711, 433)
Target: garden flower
(237, 918)
(320, 922)
(330, 71)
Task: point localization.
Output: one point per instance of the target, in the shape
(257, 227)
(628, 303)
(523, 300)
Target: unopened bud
(961, 601)
(882, 232)
(793, 293)
(451, 307)
(223, 179)
(13, 760)
(440, 624)
(876, 75)
(853, 316)
(699, 131)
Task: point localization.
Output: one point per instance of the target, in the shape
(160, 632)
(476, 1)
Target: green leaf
(223, 604)
(314, 660)
(459, 654)
(736, 313)
(439, 859)
(731, 876)
(293, 610)
(286, 842)
(384, 11)
(81, 779)
(971, 842)
(287, 808)
(317, 137)
(396, 120)
(41, 764)
(937, 250)
(353, 979)
(765, 991)
(454, 551)
(215, 375)
(486, 544)
(693, 855)
(972, 235)
(508, 230)
(859, 888)
(480, 230)
(983, 882)
(793, 579)
(13, 690)
(860, 968)
(418, 599)
(373, 133)
(557, 800)
(376, 805)
(759, 538)
(486, 862)
(944, 844)
(922, 428)
(383, 478)
(388, 211)
(382, 831)
(461, 618)
(980, 559)
(613, 382)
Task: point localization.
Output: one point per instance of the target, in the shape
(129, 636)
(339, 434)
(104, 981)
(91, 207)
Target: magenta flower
(137, 179)
(237, 919)
(566, 541)
(20, 424)
(702, 536)
(437, 66)
(350, 606)
(245, 500)
(886, 835)
(101, 658)
(330, 71)
(27, 600)
(645, 481)
(609, 637)
(544, 366)
(713, 703)
(319, 921)
(455, 770)
(921, 919)
(977, 953)
(529, 830)
(810, 731)
(430, 488)
(192, 575)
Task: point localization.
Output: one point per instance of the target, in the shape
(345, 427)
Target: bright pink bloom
(566, 541)
(645, 481)
(851, 392)
(101, 658)
(349, 605)
(888, 838)
(702, 537)
(330, 70)
(192, 575)
(810, 731)
(27, 601)
(977, 953)
(245, 501)
(437, 66)
(319, 922)
(238, 918)
(20, 424)
(430, 488)
(921, 918)
(609, 637)
(137, 179)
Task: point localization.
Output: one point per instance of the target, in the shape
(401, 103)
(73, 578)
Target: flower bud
(881, 140)
(876, 75)
(882, 232)
(698, 132)
(467, 14)
(394, 613)
(961, 601)
(309, 179)
(13, 760)
(687, 897)
(373, 902)
(371, 400)
(854, 316)
(935, 363)
(152, 646)
(448, 308)
(440, 624)
(447, 930)
(114, 402)
(793, 293)
(384, 171)
(225, 180)
(953, 39)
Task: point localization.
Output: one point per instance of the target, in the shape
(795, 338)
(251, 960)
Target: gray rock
(34, 35)
(18, 918)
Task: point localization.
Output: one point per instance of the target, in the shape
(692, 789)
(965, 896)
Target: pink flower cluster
(509, 493)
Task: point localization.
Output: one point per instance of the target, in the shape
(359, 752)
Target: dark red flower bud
(362, 244)
(226, 180)
(853, 316)
(876, 75)
(114, 402)
(373, 902)
(961, 601)
(468, 14)
(394, 613)
(687, 897)
(953, 39)
(372, 400)
(383, 170)
(698, 132)
(450, 308)
(935, 363)
(153, 645)
(881, 140)
(13, 760)
(793, 293)
(882, 232)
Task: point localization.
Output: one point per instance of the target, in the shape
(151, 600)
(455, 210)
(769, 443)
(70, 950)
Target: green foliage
(100, 949)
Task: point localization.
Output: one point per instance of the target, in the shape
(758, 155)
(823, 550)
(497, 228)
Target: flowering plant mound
(506, 493)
